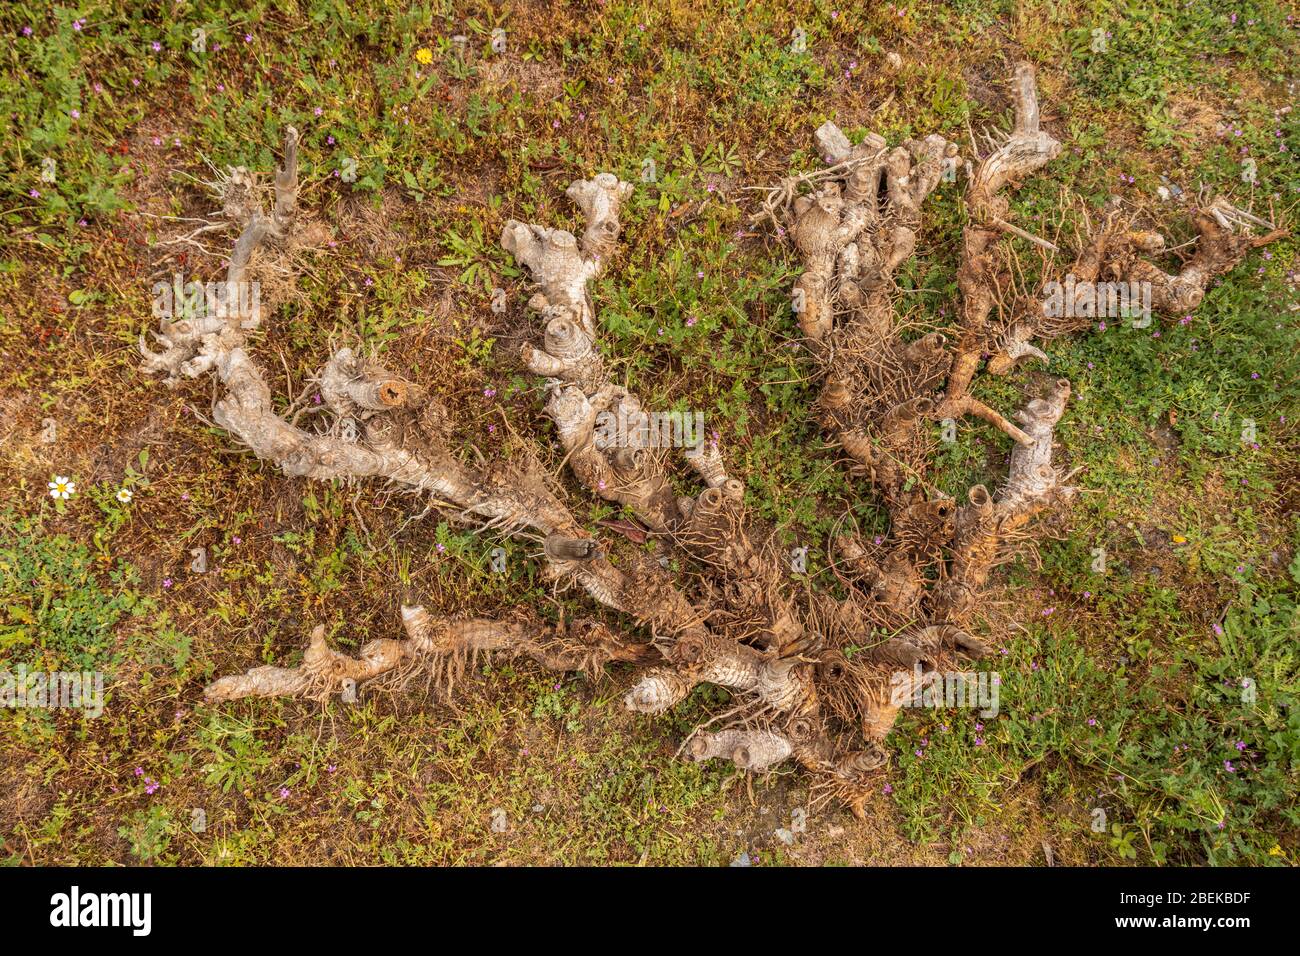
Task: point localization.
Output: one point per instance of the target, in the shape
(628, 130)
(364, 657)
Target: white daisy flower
(62, 488)
(125, 495)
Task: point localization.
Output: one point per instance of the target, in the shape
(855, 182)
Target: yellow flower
(424, 55)
(1179, 539)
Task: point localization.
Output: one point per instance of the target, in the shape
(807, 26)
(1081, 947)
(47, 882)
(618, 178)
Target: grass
(1121, 690)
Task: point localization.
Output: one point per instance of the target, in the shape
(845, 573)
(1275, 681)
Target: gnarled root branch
(429, 645)
(613, 445)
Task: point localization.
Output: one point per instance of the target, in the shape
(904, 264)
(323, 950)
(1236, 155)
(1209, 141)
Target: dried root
(430, 645)
(1115, 258)
(816, 679)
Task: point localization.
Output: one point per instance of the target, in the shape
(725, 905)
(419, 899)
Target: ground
(1123, 688)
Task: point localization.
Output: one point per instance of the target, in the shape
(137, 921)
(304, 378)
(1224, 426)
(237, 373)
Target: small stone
(498, 820)
(785, 836)
(833, 145)
(742, 860)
